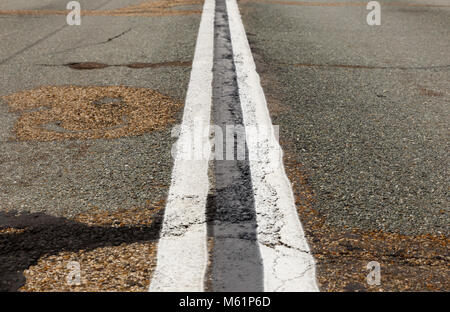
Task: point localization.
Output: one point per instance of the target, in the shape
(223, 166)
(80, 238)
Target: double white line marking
(182, 252)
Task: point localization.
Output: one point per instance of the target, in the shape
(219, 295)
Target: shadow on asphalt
(41, 234)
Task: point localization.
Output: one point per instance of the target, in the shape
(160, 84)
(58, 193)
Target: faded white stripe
(182, 250)
(288, 263)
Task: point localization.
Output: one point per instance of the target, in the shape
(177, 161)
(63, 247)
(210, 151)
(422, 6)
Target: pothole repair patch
(71, 112)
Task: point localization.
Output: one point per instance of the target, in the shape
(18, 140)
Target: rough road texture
(98, 196)
(235, 257)
(363, 115)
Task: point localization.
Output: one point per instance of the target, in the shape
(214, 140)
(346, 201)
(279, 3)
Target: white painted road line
(288, 263)
(182, 250)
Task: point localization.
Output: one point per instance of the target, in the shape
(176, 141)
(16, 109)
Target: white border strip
(288, 263)
(182, 250)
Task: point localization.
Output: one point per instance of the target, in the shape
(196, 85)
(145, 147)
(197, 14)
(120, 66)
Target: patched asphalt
(72, 178)
(363, 114)
(235, 258)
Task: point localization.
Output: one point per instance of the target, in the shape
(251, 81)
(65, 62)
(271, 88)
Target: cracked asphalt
(363, 114)
(77, 182)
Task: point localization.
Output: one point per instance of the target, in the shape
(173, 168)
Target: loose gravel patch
(113, 237)
(121, 268)
(116, 250)
(408, 262)
(71, 112)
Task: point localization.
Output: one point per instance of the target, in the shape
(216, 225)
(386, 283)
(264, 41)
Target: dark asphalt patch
(235, 259)
(136, 65)
(86, 65)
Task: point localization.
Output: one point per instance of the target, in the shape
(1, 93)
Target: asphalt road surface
(363, 114)
(95, 177)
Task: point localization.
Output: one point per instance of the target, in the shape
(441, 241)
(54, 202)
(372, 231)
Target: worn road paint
(182, 250)
(288, 263)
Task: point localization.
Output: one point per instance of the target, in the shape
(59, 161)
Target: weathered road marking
(182, 250)
(288, 263)
(273, 250)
